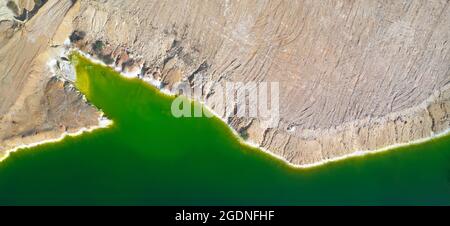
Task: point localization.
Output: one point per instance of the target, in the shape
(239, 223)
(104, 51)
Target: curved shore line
(355, 154)
(251, 144)
(102, 123)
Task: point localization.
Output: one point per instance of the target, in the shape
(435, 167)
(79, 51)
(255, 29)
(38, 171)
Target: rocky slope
(34, 105)
(354, 75)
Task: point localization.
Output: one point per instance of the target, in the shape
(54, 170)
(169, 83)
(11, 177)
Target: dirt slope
(354, 75)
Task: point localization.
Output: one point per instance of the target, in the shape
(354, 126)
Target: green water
(150, 157)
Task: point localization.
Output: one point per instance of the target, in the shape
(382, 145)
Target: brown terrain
(34, 105)
(354, 75)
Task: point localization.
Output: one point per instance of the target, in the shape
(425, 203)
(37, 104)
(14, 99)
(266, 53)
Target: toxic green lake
(149, 157)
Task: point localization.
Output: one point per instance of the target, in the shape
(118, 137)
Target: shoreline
(249, 143)
(106, 123)
(103, 123)
(355, 154)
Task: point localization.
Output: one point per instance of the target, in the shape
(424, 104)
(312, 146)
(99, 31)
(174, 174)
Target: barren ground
(354, 75)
